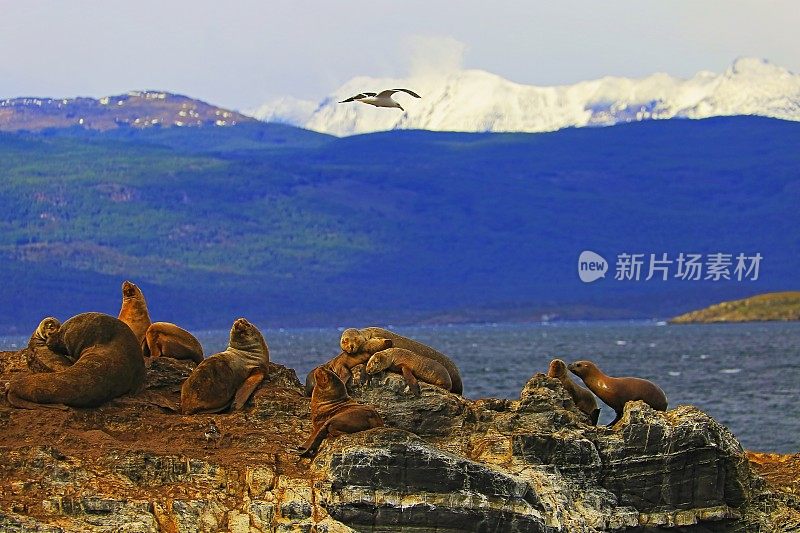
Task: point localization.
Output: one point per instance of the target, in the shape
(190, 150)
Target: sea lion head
(55, 340)
(328, 386)
(130, 290)
(558, 368)
(352, 340)
(47, 327)
(377, 363)
(583, 369)
(245, 336)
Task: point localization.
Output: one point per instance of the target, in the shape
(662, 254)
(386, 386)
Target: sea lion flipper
(19, 403)
(365, 378)
(411, 380)
(595, 416)
(311, 445)
(247, 388)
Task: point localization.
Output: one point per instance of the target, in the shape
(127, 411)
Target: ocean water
(747, 376)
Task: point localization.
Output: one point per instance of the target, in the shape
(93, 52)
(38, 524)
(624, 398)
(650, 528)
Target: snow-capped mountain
(475, 100)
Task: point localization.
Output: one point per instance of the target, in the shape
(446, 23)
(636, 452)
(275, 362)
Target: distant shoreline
(769, 307)
(15, 336)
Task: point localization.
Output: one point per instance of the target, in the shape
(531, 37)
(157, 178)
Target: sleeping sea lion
(108, 364)
(334, 413)
(344, 363)
(583, 398)
(615, 392)
(413, 367)
(227, 379)
(168, 340)
(353, 339)
(134, 310)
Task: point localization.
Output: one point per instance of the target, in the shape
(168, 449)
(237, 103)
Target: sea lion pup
(583, 398)
(134, 310)
(108, 363)
(227, 379)
(343, 363)
(413, 367)
(353, 339)
(615, 392)
(168, 340)
(39, 357)
(334, 413)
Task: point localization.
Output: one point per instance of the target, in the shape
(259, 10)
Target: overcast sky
(242, 53)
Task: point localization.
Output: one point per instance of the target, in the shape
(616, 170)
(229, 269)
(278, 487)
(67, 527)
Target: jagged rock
(684, 460)
(392, 478)
(166, 372)
(442, 462)
(435, 412)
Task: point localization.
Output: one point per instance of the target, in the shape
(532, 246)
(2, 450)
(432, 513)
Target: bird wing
(389, 92)
(359, 96)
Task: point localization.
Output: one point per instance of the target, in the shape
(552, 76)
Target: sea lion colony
(93, 358)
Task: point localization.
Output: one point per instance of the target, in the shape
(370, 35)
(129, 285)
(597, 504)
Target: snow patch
(454, 99)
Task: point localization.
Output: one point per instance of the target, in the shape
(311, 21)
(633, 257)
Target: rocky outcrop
(442, 463)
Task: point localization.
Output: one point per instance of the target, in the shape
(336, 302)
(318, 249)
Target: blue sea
(747, 376)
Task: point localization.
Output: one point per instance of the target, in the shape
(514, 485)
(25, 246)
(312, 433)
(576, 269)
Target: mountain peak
(475, 100)
(137, 109)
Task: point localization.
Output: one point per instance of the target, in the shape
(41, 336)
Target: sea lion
(168, 340)
(343, 363)
(583, 398)
(615, 392)
(39, 357)
(334, 413)
(108, 364)
(134, 310)
(413, 367)
(353, 339)
(227, 379)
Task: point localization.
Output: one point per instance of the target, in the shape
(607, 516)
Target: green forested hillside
(295, 227)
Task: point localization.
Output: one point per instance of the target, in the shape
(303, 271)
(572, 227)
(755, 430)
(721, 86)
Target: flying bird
(381, 99)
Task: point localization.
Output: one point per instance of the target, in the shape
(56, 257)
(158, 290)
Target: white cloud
(432, 56)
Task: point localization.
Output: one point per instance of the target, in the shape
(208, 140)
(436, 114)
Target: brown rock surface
(443, 462)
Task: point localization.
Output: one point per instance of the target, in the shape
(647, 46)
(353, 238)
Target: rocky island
(773, 306)
(442, 463)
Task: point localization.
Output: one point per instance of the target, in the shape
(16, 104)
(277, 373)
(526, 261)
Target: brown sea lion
(334, 413)
(413, 367)
(134, 310)
(39, 357)
(352, 340)
(616, 391)
(168, 340)
(583, 398)
(108, 363)
(227, 379)
(343, 363)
